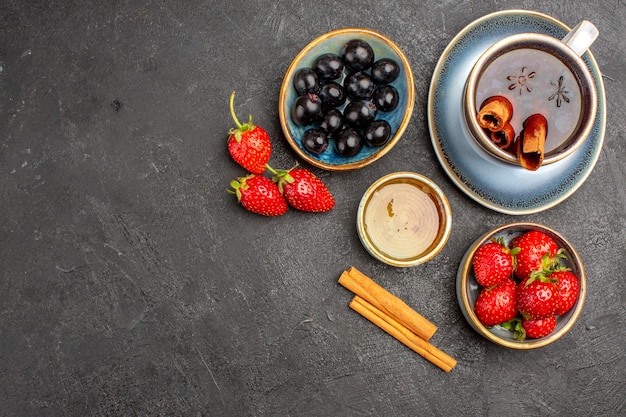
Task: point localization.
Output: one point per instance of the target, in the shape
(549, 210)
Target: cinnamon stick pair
(495, 116)
(393, 316)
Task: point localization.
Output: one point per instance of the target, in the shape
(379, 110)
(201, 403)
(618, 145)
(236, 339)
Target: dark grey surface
(131, 283)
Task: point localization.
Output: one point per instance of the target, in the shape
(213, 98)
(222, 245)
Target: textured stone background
(132, 284)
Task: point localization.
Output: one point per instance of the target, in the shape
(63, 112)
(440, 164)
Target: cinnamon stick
(505, 137)
(495, 113)
(363, 286)
(531, 141)
(402, 334)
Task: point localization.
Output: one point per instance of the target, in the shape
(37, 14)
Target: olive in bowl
(337, 57)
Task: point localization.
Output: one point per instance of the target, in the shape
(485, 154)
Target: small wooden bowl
(404, 219)
(332, 42)
(467, 288)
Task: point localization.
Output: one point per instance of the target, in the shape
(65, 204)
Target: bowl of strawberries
(521, 285)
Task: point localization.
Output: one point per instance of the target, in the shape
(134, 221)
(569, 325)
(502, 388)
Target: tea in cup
(529, 88)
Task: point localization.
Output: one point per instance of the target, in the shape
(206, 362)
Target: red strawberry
(537, 297)
(259, 195)
(303, 190)
(496, 305)
(567, 285)
(248, 145)
(493, 263)
(535, 329)
(532, 246)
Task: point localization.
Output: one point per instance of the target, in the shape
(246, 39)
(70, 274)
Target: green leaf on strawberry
(515, 325)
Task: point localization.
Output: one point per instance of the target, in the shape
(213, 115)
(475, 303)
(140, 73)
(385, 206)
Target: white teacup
(537, 73)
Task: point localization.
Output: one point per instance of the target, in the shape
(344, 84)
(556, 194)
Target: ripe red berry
(497, 304)
(567, 285)
(533, 246)
(248, 145)
(537, 297)
(259, 195)
(303, 190)
(535, 329)
(493, 263)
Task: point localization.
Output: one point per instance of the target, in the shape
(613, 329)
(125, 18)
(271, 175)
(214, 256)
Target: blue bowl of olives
(346, 99)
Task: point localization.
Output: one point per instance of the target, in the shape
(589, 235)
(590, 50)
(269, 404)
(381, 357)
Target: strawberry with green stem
(566, 282)
(533, 246)
(259, 194)
(537, 296)
(567, 285)
(303, 190)
(533, 329)
(248, 145)
(538, 328)
(494, 262)
(496, 304)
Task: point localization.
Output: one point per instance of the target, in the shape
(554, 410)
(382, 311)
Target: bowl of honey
(404, 219)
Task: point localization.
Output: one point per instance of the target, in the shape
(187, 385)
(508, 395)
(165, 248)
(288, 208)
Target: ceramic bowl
(398, 119)
(468, 289)
(404, 219)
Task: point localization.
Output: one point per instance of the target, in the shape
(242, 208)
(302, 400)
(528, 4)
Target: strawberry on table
(259, 194)
(493, 263)
(248, 145)
(497, 304)
(533, 246)
(303, 190)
